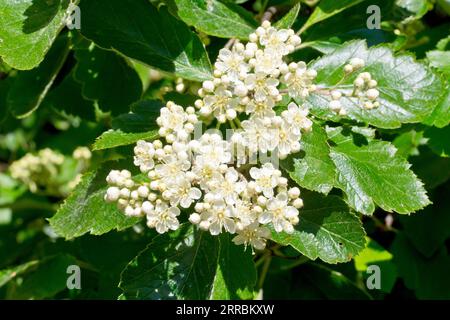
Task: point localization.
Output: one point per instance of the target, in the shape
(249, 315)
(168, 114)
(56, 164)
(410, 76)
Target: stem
(296, 263)
(230, 43)
(265, 269)
(238, 122)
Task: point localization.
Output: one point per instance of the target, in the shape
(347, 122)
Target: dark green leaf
(155, 37)
(236, 274)
(115, 138)
(30, 87)
(176, 266)
(107, 78)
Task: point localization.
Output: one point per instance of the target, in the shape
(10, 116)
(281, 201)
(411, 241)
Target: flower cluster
(41, 171)
(222, 183)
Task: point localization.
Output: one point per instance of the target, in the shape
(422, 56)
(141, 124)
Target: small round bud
(294, 193)
(297, 203)
(143, 191)
(359, 82)
(335, 105)
(194, 218)
(336, 95)
(208, 86)
(372, 94)
(112, 194)
(348, 68)
(147, 207)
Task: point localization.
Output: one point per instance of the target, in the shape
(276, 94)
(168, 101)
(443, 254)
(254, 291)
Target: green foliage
(374, 183)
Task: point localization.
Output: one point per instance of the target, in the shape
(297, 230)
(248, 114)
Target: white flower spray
(226, 190)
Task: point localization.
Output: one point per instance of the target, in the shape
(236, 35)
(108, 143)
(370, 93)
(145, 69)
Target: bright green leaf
(28, 29)
(315, 170)
(409, 90)
(288, 20)
(85, 210)
(327, 230)
(217, 18)
(371, 173)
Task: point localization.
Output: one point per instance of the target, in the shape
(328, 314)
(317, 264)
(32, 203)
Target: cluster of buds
(41, 172)
(364, 88)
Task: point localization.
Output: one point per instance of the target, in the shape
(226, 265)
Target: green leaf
(430, 168)
(155, 37)
(142, 117)
(440, 60)
(326, 230)
(85, 210)
(67, 98)
(49, 278)
(409, 90)
(374, 254)
(30, 87)
(116, 138)
(327, 9)
(180, 265)
(439, 140)
(371, 173)
(28, 29)
(288, 20)
(407, 143)
(218, 18)
(428, 277)
(325, 47)
(107, 78)
(334, 284)
(11, 273)
(315, 170)
(417, 8)
(428, 229)
(441, 114)
(236, 274)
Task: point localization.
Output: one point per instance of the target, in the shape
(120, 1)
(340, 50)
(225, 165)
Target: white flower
(244, 213)
(163, 218)
(171, 168)
(280, 214)
(183, 193)
(220, 102)
(268, 61)
(263, 87)
(254, 235)
(288, 139)
(276, 40)
(214, 149)
(266, 179)
(172, 118)
(232, 64)
(299, 80)
(261, 109)
(227, 186)
(296, 116)
(257, 136)
(220, 216)
(144, 152)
